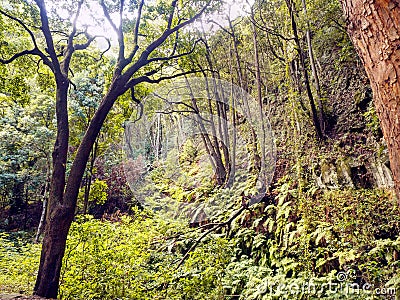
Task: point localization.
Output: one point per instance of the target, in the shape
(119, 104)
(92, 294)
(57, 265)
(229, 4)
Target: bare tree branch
(108, 17)
(137, 24)
(136, 32)
(175, 43)
(48, 36)
(118, 30)
(103, 52)
(221, 27)
(274, 53)
(174, 56)
(154, 45)
(70, 45)
(121, 56)
(266, 29)
(15, 56)
(147, 79)
(85, 45)
(34, 51)
(171, 16)
(214, 228)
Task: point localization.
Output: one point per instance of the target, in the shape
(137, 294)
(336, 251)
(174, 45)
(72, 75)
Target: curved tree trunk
(374, 27)
(61, 212)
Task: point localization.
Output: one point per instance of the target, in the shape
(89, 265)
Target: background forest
(328, 216)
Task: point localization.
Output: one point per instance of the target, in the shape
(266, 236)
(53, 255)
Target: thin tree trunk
(374, 27)
(17, 204)
(42, 220)
(89, 178)
(45, 202)
(232, 145)
(314, 112)
(222, 134)
(211, 145)
(158, 142)
(321, 114)
(260, 103)
(236, 52)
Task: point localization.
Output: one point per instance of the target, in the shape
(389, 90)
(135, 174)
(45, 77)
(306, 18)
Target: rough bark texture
(374, 27)
(53, 249)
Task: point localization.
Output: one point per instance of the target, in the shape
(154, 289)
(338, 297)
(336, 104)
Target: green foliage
(26, 136)
(105, 260)
(331, 235)
(372, 118)
(279, 243)
(19, 260)
(134, 258)
(203, 273)
(98, 192)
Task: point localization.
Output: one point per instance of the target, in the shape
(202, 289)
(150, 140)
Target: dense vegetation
(328, 225)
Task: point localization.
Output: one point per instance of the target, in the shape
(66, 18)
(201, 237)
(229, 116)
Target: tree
(316, 117)
(26, 138)
(374, 28)
(55, 44)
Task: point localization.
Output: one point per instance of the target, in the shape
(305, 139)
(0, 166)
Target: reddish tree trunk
(374, 27)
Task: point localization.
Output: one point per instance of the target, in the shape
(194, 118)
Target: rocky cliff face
(355, 173)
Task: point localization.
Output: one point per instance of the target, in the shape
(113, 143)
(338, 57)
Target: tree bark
(42, 220)
(374, 28)
(45, 197)
(58, 218)
(53, 249)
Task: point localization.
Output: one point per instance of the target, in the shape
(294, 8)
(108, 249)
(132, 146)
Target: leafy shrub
(290, 241)
(19, 261)
(354, 232)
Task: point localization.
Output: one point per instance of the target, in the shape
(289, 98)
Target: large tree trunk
(56, 228)
(53, 249)
(374, 27)
(62, 203)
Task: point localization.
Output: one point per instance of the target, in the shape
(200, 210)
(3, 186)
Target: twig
(216, 226)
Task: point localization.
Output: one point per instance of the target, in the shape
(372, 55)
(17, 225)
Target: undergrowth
(340, 244)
